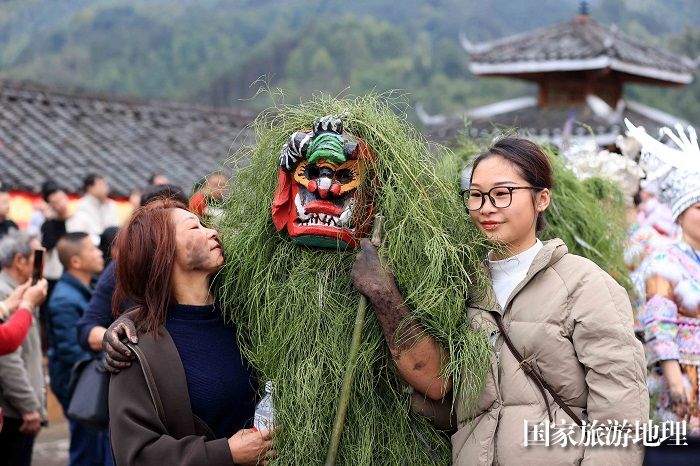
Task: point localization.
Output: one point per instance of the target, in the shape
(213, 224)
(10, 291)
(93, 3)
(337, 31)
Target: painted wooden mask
(317, 198)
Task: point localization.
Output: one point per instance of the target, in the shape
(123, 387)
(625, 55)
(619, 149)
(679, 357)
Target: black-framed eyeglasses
(500, 196)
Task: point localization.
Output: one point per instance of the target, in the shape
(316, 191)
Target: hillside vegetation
(214, 51)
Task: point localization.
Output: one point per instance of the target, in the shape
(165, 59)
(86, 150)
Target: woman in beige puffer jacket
(563, 314)
(574, 323)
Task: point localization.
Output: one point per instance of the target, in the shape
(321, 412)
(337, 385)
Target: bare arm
(421, 365)
(672, 370)
(418, 357)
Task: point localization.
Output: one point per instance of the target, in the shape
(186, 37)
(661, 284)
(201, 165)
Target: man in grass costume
(286, 284)
(290, 230)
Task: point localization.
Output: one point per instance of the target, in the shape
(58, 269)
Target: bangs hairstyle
(145, 260)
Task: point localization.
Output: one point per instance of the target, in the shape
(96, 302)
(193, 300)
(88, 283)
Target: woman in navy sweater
(191, 395)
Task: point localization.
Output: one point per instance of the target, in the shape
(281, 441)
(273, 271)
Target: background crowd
(39, 344)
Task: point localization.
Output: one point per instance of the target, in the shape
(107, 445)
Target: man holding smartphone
(22, 390)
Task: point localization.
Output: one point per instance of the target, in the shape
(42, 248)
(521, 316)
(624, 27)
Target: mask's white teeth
(301, 213)
(320, 219)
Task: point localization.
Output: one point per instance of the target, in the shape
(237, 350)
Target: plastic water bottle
(264, 418)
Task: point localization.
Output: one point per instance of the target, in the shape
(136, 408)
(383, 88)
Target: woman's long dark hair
(145, 260)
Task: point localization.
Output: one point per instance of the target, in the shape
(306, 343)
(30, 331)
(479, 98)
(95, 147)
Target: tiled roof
(48, 134)
(548, 123)
(579, 44)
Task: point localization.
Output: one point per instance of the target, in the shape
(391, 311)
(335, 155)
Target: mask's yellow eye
(349, 175)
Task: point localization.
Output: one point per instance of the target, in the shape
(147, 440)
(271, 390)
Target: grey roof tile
(51, 134)
(578, 40)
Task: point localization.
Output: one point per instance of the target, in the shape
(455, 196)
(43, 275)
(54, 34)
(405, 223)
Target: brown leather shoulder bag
(535, 376)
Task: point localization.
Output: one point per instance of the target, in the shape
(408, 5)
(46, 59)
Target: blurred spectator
(5, 223)
(211, 192)
(107, 243)
(15, 316)
(81, 260)
(54, 228)
(98, 316)
(38, 217)
(22, 388)
(135, 198)
(95, 210)
(163, 191)
(158, 179)
(153, 180)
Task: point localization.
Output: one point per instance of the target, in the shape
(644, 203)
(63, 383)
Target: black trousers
(15, 447)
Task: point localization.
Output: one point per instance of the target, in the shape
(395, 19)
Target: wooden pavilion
(580, 68)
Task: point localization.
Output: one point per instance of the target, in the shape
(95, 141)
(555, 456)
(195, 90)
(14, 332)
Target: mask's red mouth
(322, 213)
(322, 207)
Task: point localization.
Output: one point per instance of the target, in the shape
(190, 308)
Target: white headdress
(674, 171)
(587, 162)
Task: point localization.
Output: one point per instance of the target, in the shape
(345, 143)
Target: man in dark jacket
(81, 260)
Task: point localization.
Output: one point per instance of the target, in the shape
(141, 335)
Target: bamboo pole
(346, 388)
